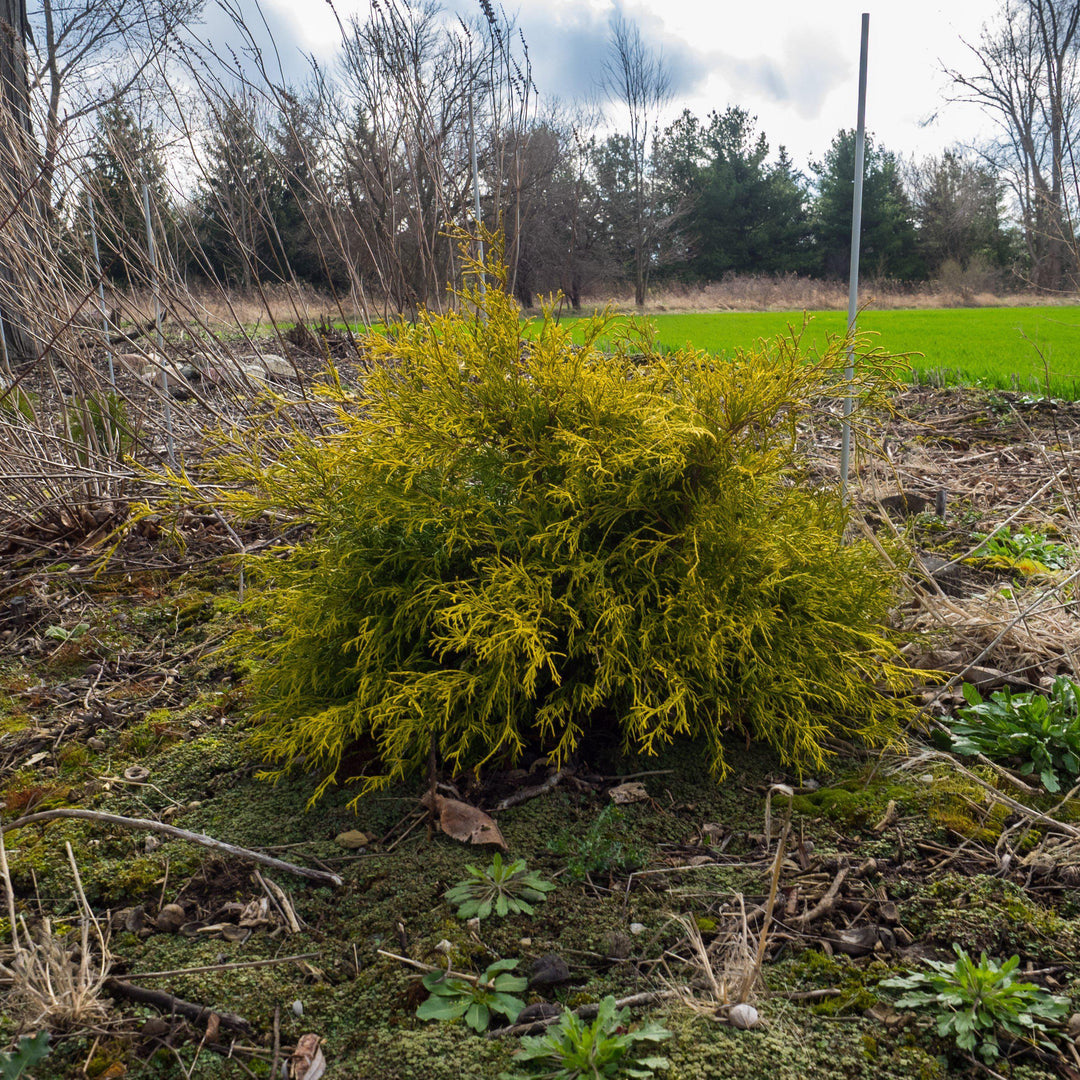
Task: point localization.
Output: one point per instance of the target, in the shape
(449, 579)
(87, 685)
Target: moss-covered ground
(100, 674)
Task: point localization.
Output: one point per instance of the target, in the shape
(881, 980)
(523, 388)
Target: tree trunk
(16, 179)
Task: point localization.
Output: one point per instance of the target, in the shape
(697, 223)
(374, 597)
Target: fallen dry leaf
(307, 1062)
(463, 822)
(353, 839)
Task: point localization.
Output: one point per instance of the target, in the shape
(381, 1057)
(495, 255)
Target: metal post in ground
(101, 288)
(151, 250)
(476, 182)
(853, 271)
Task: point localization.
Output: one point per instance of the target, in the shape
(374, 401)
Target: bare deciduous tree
(90, 53)
(637, 77)
(1028, 79)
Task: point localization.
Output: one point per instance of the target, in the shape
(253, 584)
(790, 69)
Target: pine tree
(123, 156)
(889, 245)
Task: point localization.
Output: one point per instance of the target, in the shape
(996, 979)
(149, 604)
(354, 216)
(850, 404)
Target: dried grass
(55, 980)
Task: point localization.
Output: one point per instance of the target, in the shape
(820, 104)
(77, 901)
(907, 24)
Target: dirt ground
(113, 699)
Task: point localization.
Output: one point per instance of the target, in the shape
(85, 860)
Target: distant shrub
(516, 540)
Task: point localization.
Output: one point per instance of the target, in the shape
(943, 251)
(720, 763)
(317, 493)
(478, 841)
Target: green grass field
(993, 347)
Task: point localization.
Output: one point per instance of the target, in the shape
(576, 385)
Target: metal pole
(101, 288)
(157, 315)
(5, 361)
(475, 181)
(853, 271)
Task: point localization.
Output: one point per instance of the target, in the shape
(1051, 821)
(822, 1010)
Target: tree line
(354, 180)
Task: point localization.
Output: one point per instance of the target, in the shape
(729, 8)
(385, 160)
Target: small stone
(743, 1016)
(926, 778)
(194, 804)
(95, 743)
(525, 942)
(135, 919)
(137, 774)
(548, 970)
(628, 793)
(542, 1010)
(810, 784)
(170, 918)
(637, 928)
(444, 946)
(277, 367)
(298, 1008)
(151, 843)
(473, 925)
(618, 945)
(353, 839)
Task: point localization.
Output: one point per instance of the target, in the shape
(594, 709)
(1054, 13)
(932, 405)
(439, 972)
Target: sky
(791, 63)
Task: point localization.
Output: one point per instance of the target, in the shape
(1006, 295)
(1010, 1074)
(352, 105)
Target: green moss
(853, 803)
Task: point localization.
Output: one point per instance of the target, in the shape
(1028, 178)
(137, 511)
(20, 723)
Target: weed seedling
(509, 889)
(603, 849)
(972, 1001)
(1042, 731)
(29, 1053)
(1027, 550)
(573, 1049)
(452, 997)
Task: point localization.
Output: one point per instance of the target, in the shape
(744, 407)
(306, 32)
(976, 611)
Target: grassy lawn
(995, 347)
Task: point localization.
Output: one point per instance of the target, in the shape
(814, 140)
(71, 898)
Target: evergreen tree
(739, 211)
(123, 156)
(240, 193)
(301, 201)
(889, 245)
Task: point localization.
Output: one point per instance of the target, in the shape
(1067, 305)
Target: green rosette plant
(451, 997)
(500, 889)
(974, 1001)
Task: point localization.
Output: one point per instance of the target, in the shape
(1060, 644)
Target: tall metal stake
(475, 181)
(157, 315)
(853, 272)
(101, 288)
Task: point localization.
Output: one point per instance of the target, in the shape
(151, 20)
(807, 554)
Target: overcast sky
(792, 63)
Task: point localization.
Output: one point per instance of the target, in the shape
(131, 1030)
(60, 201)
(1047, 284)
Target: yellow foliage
(516, 540)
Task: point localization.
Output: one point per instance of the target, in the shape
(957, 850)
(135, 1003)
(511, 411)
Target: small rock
(525, 942)
(151, 843)
(926, 778)
(277, 367)
(137, 774)
(618, 945)
(548, 970)
(1073, 1027)
(95, 743)
(542, 1010)
(445, 947)
(863, 940)
(135, 919)
(637, 928)
(743, 1016)
(810, 784)
(628, 793)
(353, 839)
(170, 918)
(298, 1008)
(473, 925)
(157, 1027)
